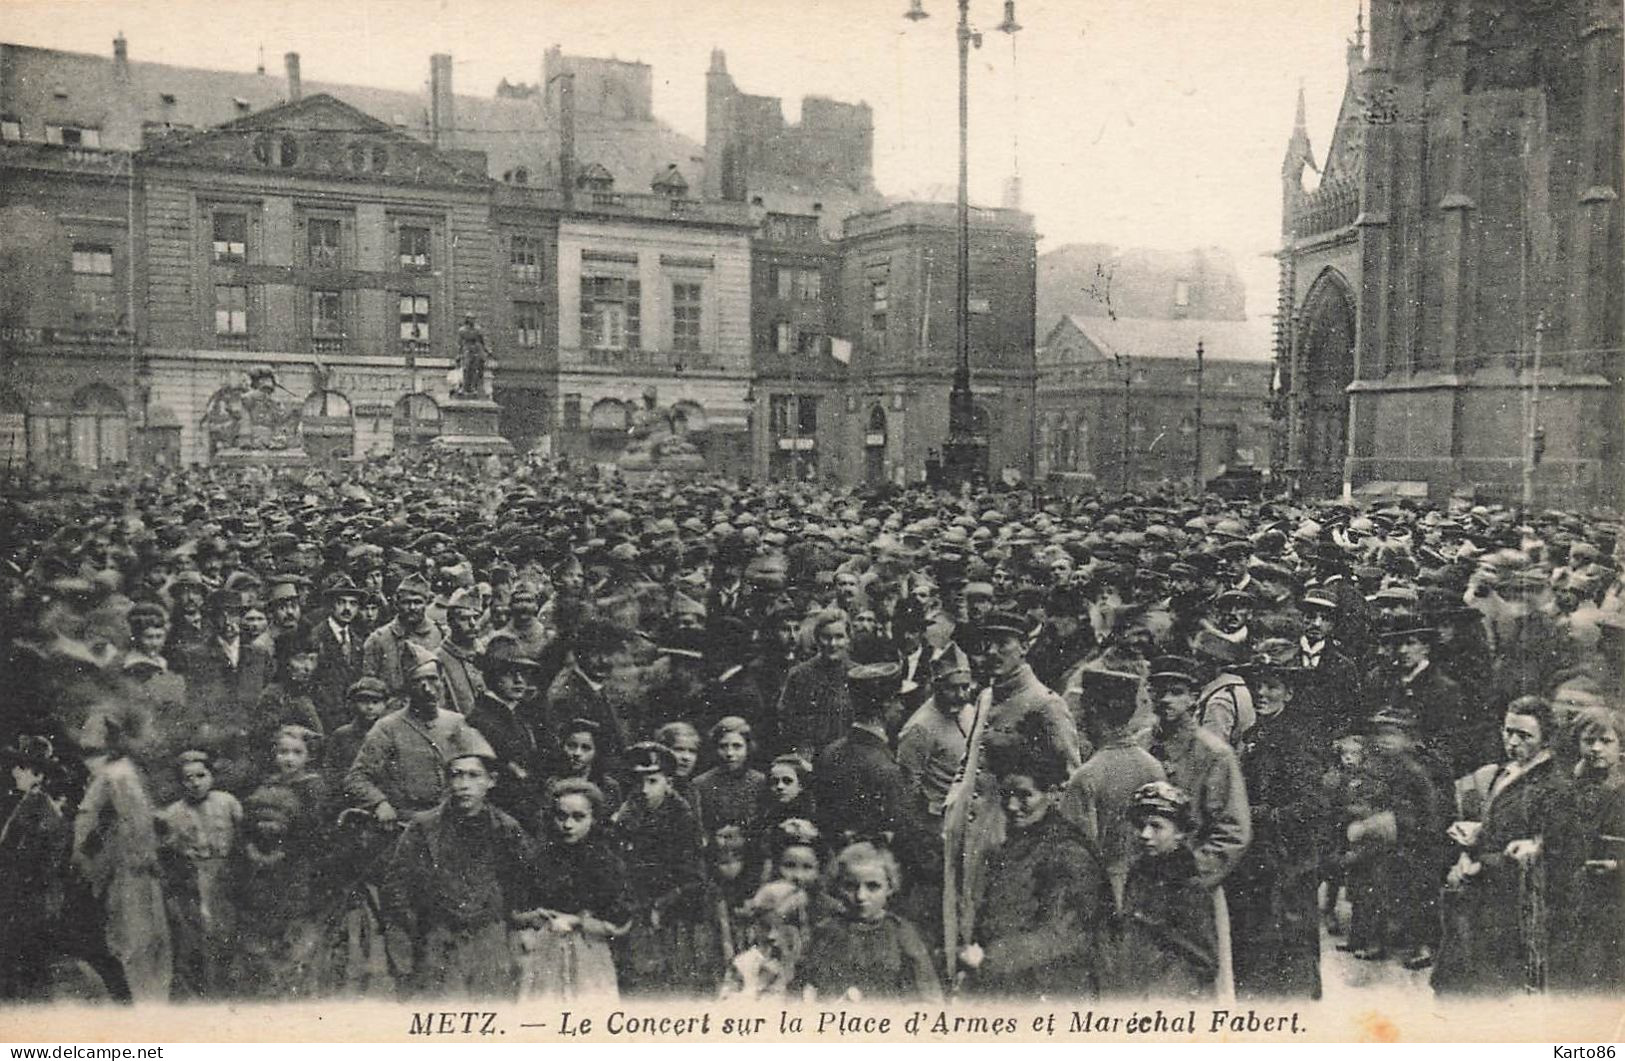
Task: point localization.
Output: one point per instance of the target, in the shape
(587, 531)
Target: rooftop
(1142, 337)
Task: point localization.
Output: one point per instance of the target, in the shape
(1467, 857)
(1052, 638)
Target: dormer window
(168, 98)
(241, 104)
(10, 128)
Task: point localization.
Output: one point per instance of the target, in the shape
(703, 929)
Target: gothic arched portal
(1325, 370)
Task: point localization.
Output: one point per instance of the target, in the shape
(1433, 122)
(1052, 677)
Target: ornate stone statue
(659, 437)
(472, 357)
(252, 417)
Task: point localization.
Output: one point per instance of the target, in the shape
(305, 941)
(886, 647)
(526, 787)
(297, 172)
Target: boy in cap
(662, 846)
(1165, 944)
(366, 701)
(458, 873)
(503, 716)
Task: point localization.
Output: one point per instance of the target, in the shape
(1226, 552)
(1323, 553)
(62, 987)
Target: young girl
(669, 949)
(796, 856)
(577, 905)
(198, 834)
(293, 767)
(785, 797)
(269, 881)
(1591, 954)
(866, 952)
(777, 915)
(684, 741)
(728, 793)
(579, 746)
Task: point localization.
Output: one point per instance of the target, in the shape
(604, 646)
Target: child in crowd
(579, 747)
(270, 885)
(867, 952)
(368, 700)
(197, 836)
(684, 741)
(666, 950)
(1164, 943)
(578, 903)
(293, 767)
(786, 796)
(728, 793)
(776, 916)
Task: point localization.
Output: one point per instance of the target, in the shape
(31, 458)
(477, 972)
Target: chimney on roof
(567, 137)
(121, 52)
(295, 89)
(1012, 193)
(442, 104)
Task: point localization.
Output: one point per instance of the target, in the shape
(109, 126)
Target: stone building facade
(167, 229)
(1453, 289)
(1120, 401)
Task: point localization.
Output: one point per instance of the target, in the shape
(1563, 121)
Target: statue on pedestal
(252, 418)
(659, 437)
(473, 357)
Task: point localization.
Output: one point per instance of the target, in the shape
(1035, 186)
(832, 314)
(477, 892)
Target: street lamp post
(1198, 469)
(964, 454)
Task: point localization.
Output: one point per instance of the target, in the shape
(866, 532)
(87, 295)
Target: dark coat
(1588, 944)
(1486, 947)
(523, 753)
(816, 706)
(34, 841)
(337, 667)
(884, 960)
(571, 696)
(1274, 916)
(860, 790)
(1332, 699)
(1046, 897)
(1164, 943)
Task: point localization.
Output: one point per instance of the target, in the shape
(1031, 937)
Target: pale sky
(1157, 123)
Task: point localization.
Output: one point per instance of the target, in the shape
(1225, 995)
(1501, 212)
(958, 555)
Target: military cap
(422, 662)
(414, 584)
(1320, 597)
(367, 688)
(1173, 668)
(876, 679)
(1098, 688)
(271, 803)
(651, 757)
(1006, 622)
(467, 742)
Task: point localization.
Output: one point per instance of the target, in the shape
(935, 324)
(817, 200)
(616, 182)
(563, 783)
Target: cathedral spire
(1356, 50)
(1299, 153)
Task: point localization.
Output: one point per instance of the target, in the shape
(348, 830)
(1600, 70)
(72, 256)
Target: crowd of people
(427, 726)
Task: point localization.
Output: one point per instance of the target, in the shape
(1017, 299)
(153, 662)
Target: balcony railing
(327, 344)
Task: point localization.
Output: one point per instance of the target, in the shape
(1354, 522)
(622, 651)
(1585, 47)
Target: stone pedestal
(470, 425)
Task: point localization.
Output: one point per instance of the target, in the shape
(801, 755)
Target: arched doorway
(1325, 370)
(607, 424)
(416, 421)
(101, 428)
(328, 426)
(874, 447)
